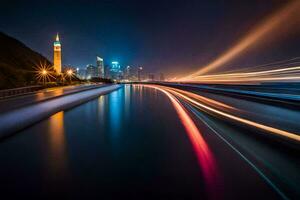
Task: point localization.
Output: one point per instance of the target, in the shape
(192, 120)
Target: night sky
(162, 36)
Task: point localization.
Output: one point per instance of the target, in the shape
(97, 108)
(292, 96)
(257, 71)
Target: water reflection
(101, 108)
(137, 89)
(115, 111)
(57, 156)
(127, 89)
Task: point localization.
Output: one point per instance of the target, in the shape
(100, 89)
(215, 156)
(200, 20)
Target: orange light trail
(263, 31)
(270, 129)
(265, 72)
(281, 74)
(206, 100)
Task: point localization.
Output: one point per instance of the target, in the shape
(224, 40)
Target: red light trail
(205, 157)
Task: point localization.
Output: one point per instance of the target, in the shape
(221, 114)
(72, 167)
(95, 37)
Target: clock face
(57, 48)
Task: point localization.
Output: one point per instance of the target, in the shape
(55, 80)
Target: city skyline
(117, 31)
(113, 70)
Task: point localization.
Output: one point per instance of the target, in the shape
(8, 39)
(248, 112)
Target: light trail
(257, 80)
(273, 185)
(264, 72)
(276, 131)
(279, 63)
(175, 94)
(273, 23)
(206, 100)
(204, 156)
(281, 74)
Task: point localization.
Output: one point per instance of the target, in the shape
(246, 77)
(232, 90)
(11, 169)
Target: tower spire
(57, 37)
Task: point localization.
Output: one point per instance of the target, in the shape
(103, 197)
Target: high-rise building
(115, 71)
(115, 67)
(81, 73)
(128, 72)
(57, 55)
(91, 71)
(100, 67)
(106, 71)
(139, 73)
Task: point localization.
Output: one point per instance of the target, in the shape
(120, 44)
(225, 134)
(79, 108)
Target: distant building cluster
(114, 70)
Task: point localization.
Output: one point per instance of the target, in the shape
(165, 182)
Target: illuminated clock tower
(57, 55)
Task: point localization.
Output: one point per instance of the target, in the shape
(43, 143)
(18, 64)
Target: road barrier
(18, 91)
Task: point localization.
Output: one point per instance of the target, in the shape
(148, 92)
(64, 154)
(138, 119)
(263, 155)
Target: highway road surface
(157, 142)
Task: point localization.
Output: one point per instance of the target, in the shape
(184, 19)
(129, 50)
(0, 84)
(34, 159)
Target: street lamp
(44, 74)
(70, 74)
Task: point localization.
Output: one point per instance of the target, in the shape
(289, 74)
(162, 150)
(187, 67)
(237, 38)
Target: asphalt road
(151, 142)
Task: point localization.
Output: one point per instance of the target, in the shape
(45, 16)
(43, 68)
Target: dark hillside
(17, 63)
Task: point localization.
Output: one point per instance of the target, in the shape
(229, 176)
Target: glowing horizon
(258, 33)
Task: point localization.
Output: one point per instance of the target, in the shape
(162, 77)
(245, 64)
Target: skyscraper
(57, 55)
(100, 66)
(81, 73)
(115, 71)
(128, 72)
(115, 67)
(107, 71)
(139, 73)
(91, 71)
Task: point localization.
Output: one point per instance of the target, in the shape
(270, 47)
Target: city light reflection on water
(127, 95)
(116, 105)
(101, 107)
(57, 156)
